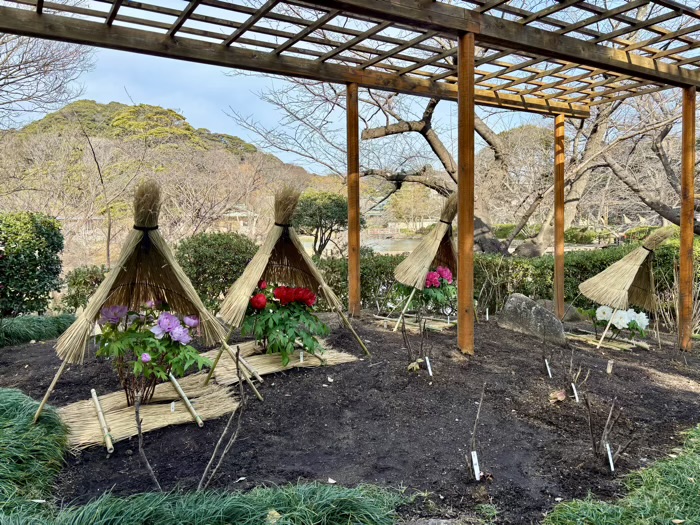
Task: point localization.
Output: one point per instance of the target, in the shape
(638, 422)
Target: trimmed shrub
(30, 265)
(19, 330)
(81, 283)
(580, 235)
(213, 262)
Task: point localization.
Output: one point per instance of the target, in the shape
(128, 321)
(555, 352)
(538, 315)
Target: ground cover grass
(31, 456)
(666, 493)
(25, 328)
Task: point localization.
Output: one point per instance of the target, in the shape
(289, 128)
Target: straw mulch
(281, 259)
(264, 364)
(629, 281)
(146, 270)
(210, 401)
(435, 249)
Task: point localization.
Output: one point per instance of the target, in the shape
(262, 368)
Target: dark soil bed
(376, 422)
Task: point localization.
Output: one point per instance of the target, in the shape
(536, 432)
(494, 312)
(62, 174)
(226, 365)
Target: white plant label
(475, 464)
(172, 406)
(610, 457)
(575, 392)
(427, 362)
(611, 362)
(301, 356)
(549, 371)
(487, 314)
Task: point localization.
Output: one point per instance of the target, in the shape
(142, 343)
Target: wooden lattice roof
(549, 56)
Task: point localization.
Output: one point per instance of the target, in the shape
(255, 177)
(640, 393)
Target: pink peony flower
(191, 321)
(145, 357)
(167, 322)
(113, 314)
(432, 280)
(181, 335)
(444, 273)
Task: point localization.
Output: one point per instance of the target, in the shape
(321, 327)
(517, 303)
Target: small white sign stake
(475, 464)
(427, 362)
(549, 370)
(575, 392)
(487, 314)
(172, 406)
(611, 362)
(301, 356)
(610, 457)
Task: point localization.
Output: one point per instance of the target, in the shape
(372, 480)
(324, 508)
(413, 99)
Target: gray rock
(522, 314)
(571, 314)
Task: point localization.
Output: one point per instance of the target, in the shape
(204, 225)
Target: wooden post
(48, 392)
(685, 292)
(352, 112)
(559, 160)
(465, 184)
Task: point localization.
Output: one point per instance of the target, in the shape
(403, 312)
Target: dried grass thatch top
(146, 270)
(435, 249)
(281, 259)
(629, 281)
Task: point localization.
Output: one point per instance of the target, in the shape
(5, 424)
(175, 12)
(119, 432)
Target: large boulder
(571, 314)
(522, 314)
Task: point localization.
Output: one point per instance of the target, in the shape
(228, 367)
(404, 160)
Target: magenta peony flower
(191, 321)
(432, 280)
(145, 357)
(113, 314)
(444, 273)
(151, 304)
(181, 335)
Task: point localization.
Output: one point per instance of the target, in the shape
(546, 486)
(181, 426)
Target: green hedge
(213, 262)
(25, 328)
(30, 265)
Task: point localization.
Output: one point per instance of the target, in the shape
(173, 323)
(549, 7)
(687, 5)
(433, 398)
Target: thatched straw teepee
(146, 270)
(281, 259)
(629, 281)
(435, 249)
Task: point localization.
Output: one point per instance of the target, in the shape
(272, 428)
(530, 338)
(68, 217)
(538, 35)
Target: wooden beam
(465, 185)
(183, 17)
(685, 285)
(353, 132)
(252, 20)
(559, 160)
(450, 19)
(306, 32)
(113, 12)
(39, 7)
(75, 30)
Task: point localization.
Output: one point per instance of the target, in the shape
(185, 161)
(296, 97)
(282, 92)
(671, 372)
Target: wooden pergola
(554, 57)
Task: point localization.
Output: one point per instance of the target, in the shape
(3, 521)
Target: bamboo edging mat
(211, 401)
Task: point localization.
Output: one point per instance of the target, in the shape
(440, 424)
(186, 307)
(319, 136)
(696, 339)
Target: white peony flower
(603, 313)
(620, 320)
(642, 320)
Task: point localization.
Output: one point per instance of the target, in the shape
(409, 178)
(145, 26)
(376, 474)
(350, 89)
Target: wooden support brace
(403, 312)
(244, 372)
(48, 392)
(185, 400)
(103, 421)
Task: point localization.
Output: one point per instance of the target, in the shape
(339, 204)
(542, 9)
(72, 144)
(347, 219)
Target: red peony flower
(258, 301)
(284, 295)
(305, 296)
(262, 284)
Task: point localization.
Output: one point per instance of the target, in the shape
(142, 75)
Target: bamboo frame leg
(606, 330)
(103, 421)
(213, 365)
(48, 392)
(687, 222)
(354, 333)
(185, 400)
(244, 373)
(403, 312)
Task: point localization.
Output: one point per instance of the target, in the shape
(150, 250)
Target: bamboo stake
(606, 330)
(185, 400)
(103, 421)
(244, 373)
(213, 365)
(48, 392)
(403, 312)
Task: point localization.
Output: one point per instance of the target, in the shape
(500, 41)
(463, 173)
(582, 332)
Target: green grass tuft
(25, 328)
(30, 455)
(668, 490)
